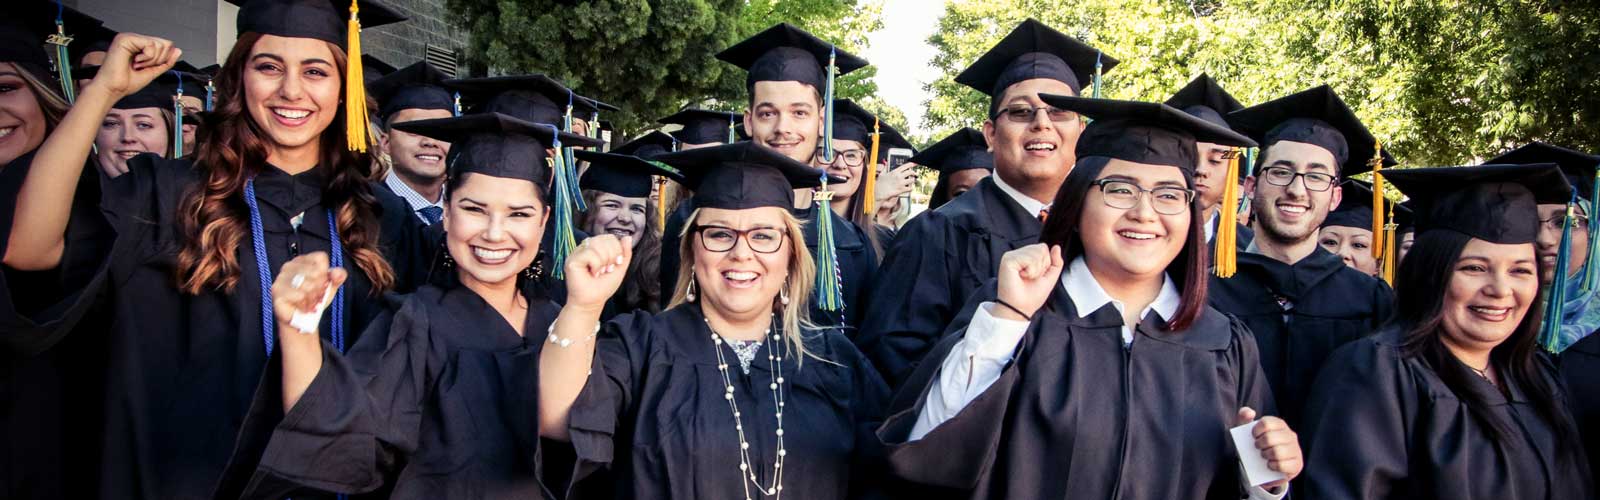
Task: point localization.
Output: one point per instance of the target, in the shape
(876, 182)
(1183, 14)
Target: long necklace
(775, 363)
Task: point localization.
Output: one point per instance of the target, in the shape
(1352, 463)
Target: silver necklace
(775, 363)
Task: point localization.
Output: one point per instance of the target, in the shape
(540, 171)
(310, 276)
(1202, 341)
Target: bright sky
(904, 59)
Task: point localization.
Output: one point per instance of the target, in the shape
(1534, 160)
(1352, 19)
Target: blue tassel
(1591, 268)
(177, 118)
(565, 240)
(1249, 170)
(1550, 330)
(570, 166)
(211, 96)
(732, 135)
(830, 282)
(455, 105)
(63, 62)
(827, 106)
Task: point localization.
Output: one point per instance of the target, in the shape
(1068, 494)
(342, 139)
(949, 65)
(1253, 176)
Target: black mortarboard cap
(496, 145)
(325, 20)
(25, 27)
(1314, 116)
(784, 53)
(1578, 166)
(1355, 206)
(702, 126)
(414, 87)
(623, 175)
(741, 175)
(1144, 132)
(646, 146)
(1033, 50)
(1405, 216)
(1205, 99)
(90, 39)
(158, 94)
(851, 122)
(535, 98)
(966, 149)
(1494, 203)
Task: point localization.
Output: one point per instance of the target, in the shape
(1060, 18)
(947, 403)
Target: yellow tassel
(870, 205)
(1389, 263)
(661, 203)
(1225, 258)
(1377, 201)
(355, 89)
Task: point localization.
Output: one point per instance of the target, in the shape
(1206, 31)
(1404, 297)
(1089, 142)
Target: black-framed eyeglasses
(850, 157)
(1284, 176)
(1123, 195)
(1026, 114)
(723, 239)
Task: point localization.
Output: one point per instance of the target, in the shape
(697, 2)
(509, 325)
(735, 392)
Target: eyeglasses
(850, 157)
(1123, 195)
(723, 239)
(1284, 176)
(1554, 223)
(1026, 114)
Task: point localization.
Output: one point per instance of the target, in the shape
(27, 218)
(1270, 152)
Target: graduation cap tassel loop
(177, 119)
(565, 241)
(63, 63)
(1550, 329)
(869, 204)
(827, 99)
(356, 124)
(1591, 266)
(1225, 258)
(1389, 261)
(1377, 200)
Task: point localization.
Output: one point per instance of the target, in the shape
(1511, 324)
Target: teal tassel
(1099, 69)
(1249, 170)
(830, 283)
(1591, 266)
(565, 239)
(1550, 330)
(177, 119)
(570, 166)
(63, 63)
(455, 105)
(827, 106)
(211, 96)
(732, 135)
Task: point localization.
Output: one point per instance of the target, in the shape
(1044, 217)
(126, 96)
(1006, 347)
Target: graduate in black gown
(1347, 232)
(698, 128)
(962, 159)
(1093, 367)
(942, 256)
(1205, 99)
(1300, 301)
(731, 392)
(1453, 399)
(854, 130)
(195, 241)
(416, 171)
(616, 189)
(438, 398)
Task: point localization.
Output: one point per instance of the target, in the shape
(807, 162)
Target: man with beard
(1300, 301)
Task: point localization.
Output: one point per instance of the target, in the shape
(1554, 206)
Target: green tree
(650, 57)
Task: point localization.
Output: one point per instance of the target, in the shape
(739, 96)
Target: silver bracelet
(565, 343)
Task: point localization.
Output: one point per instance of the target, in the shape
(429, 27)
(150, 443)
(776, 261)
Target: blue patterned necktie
(431, 214)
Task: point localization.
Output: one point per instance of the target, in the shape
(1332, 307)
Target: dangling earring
(690, 294)
(444, 249)
(535, 269)
(783, 293)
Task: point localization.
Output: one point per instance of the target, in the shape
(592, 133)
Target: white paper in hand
(1255, 466)
(306, 322)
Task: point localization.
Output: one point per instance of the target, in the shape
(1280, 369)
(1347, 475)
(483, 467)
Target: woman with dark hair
(1452, 399)
(186, 287)
(1093, 367)
(437, 399)
(616, 190)
(853, 128)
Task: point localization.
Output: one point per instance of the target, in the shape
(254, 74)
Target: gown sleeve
(358, 419)
(1355, 432)
(912, 304)
(622, 352)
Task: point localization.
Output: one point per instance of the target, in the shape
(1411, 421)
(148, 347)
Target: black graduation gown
(938, 260)
(1383, 425)
(1300, 314)
(653, 421)
(184, 370)
(438, 400)
(1077, 415)
(1580, 369)
(858, 262)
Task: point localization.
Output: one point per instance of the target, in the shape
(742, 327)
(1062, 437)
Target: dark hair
(1420, 287)
(642, 287)
(1188, 270)
(211, 214)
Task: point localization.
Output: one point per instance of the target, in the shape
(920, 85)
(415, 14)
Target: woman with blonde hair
(700, 400)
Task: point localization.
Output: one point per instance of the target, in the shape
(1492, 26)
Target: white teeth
(427, 157)
(1292, 209)
(6, 131)
(487, 254)
(1041, 146)
(739, 275)
(128, 154)
(291, 114)
(1136, 236)
(1491, 311)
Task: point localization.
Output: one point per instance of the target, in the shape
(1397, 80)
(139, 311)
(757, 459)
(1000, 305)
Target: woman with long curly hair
(616, 190)
(186, 285)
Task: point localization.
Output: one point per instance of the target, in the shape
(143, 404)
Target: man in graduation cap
(699, 128)
(1205, 99)
(962, 159)
(418, 170)
(939, 258)
(1300, 300)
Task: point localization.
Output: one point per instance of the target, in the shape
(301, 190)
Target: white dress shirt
(1028, 204)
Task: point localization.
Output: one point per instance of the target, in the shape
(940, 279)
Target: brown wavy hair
(642, 288)
(212, 216)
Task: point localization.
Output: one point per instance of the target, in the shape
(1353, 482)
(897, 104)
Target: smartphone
(897, 158)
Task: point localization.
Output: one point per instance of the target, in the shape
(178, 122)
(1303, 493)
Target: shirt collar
(416, 201)
(1028, 204)
(1211, 225)
(1088, 296)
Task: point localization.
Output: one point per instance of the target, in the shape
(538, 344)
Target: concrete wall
(405, 43)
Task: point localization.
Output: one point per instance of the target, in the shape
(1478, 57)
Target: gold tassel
(1377, 201)
(357, 137)
(1225, 257)
(1389, 263)
(661, 202)
(870, 206)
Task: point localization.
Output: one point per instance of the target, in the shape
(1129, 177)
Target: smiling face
(493, 227)
(1136, 242)
(1352, 245)
(1549, 241)
(1039, 151)
(741, 282)
(785, 116)
(1211, 174)
(292, 89)
(22, 122)
(842, 169)
(417, 159)
(1292, 213)
(125, 133)
(1490, 291)
(612, 214)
